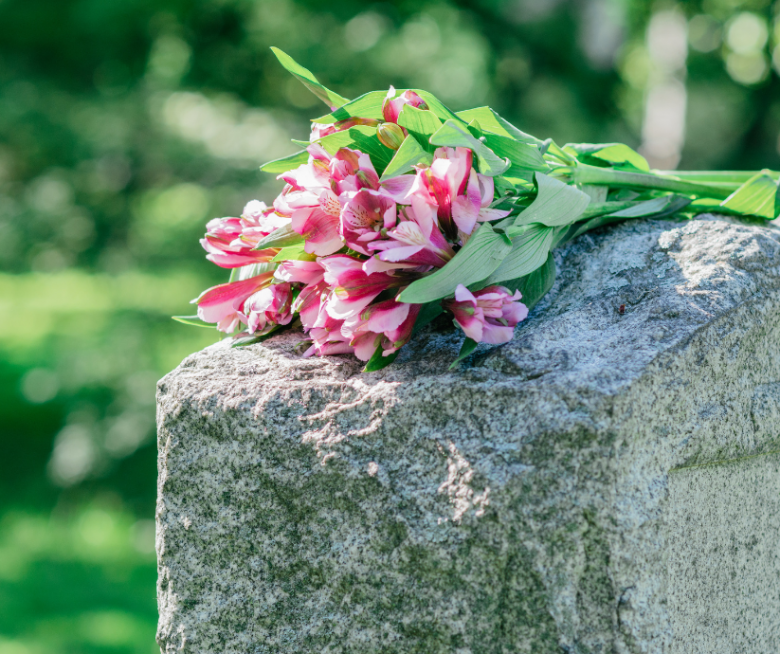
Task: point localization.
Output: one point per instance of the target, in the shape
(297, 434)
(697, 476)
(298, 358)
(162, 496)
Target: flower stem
(584, 174)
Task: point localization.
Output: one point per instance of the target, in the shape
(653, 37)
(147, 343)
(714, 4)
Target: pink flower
(364, 215)
(474, 206)
(415, 239)
(319, 130)
(310, 304)
(223, 304)
(489, 315)
(444, 181)
(387, 323)
(229, 241)
(303, 272)
(268, 307)
(352, 170)
(351, 288)
(392, 106)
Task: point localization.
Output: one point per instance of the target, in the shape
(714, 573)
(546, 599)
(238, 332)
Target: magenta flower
(392, 106)
(489, 315)
(223, 304)
(474, 206)
(268, 307)
(302, 272)
(387, 323)
(364, 216)
(352, 170)
(415, 239)
(310, 304)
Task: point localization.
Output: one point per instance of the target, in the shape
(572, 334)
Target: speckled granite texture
(522, 503)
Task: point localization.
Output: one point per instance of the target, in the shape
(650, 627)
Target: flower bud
(390, 135)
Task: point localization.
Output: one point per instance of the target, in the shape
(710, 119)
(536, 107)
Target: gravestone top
(517, 503)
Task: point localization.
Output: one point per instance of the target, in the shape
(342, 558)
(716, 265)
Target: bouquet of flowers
(398, 209)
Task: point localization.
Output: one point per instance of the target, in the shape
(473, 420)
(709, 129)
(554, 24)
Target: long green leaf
(408, 155)
(285, 163)
(305, 76)
(437, 107)
(455, 134)
(368, 105)
(556, 204)
(363, 138)
(524, 157)
(756, 197)
(280, 238)
(420, 124)
(535, 285)
(428, 313)
(490, 121)
(193, 320)
(529, 251)
(616, 154)
(483, 253)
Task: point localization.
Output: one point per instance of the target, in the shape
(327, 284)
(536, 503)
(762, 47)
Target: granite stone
(607, 482)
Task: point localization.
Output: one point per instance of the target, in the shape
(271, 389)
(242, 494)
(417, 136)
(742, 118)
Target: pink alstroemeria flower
(474, 206)
(489, 315)
(311, 204)
(387, 323)
(352, 170)
(223, 304)
(364, 215)
(444, 181)
(229, 241)
(415, 239)
(392, 106)
(302, 272)
(351, 288)
(310, 304)
(268, 307)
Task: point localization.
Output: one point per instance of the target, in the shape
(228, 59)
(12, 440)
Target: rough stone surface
(521, 503)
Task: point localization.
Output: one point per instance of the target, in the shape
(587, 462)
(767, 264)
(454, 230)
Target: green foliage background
(126, 125)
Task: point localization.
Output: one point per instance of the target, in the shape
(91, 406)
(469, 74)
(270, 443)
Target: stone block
(605, 483)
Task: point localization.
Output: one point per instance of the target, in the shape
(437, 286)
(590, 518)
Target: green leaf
(420, 124)
(529, 251)
(294, 253)
(284, 164)
(368, 105)
(524, 157)
(469, 345)
(436, 106)
(363, 138)
(556, 204)
(483, 253)
(305, 76)
(652, 207)
(428, 313)
(535, 285)
(281, 237)
(757, 197)
(193, 320)
(252, 270)
(302, 144)
(408, 155)
(379, 361)
(454, 134)
(615, 154)
(490, 121)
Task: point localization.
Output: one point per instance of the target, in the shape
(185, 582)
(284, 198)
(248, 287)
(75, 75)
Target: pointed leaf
(408, 155)
(524, 157)
(420, 124)
(618, 155)
(428, 313)
(757, 197)
(283, 236)
(305, 76)
(379, 361)
(363, 138)
(284, 164)
(469, 345)
(368, 105)
(535, 285)
(529, 251)
(436, 106)
(483, 253)
(556, 204)
(455, 134)
(490, 121)
(193, 320)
